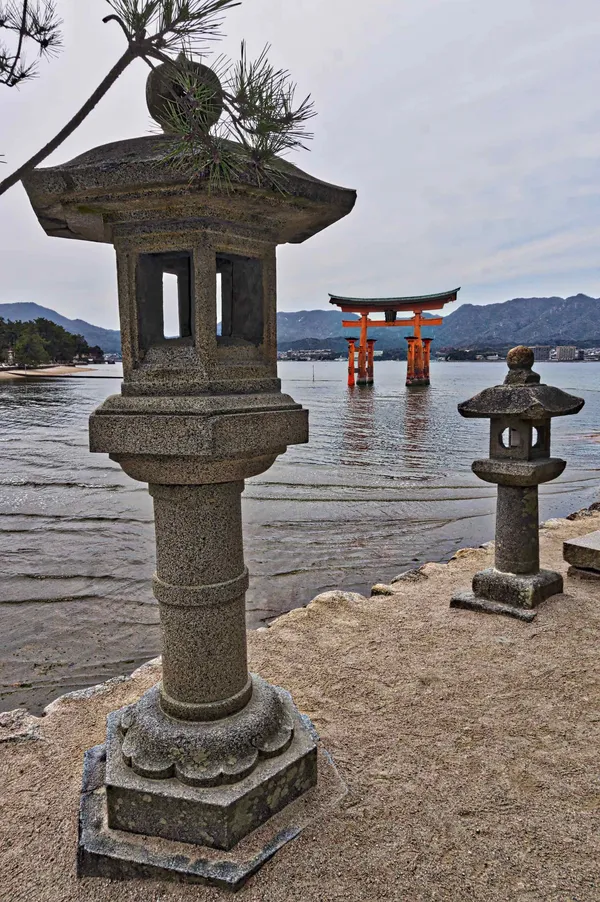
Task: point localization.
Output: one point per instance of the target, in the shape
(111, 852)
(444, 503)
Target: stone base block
(216, 816)
(516, 589)
(495, 592)
(416, 382)
(584, 552)
(119, 855)
(472, 602)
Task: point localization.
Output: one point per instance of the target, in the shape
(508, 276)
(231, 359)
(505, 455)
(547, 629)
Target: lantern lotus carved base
(214, 782)
(210, 753)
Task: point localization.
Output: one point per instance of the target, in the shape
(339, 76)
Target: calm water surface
(383, 485)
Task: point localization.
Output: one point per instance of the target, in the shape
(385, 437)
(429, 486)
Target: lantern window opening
(219, 296)
(165, 298)
(241, 299)
(170, 295)
(510, 438)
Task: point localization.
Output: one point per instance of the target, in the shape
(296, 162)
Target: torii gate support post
(417, 371)
(418, 352)
(426, 359)
(410, 360)
(371, 360)
(351, 365)
(362, 350)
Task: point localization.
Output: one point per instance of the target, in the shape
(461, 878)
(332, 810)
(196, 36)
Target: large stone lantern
(212, 752)
(520, 412)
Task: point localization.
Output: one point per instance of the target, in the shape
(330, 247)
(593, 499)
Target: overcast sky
(470, 129)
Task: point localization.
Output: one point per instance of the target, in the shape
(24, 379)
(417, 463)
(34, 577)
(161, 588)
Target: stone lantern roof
(521, 395)
(127, 183)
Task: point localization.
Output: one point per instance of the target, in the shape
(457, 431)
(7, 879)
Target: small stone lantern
(212, 752)
(520, 412)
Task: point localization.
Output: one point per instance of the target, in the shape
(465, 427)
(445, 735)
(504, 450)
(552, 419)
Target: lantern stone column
(200, 584)
(212, 752)
(520, 413)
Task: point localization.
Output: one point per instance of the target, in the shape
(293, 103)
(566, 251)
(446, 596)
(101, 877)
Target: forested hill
(108, 339)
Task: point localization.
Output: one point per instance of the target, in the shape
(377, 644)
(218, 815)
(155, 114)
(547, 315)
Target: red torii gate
(417, 372)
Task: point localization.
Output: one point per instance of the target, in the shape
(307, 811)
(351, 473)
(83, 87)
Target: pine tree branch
(19, 50)
(73, 123)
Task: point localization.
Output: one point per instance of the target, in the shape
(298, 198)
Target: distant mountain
(292, 327)
(543, 321)
(108, 339)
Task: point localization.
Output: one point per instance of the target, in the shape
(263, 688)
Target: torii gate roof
(424, 301)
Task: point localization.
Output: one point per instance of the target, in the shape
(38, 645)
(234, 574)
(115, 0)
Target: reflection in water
(419, 434)
(358, 425)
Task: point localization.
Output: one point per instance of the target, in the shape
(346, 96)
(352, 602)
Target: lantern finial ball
(520, 358)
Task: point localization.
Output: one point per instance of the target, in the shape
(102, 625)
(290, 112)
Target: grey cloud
(470, 129)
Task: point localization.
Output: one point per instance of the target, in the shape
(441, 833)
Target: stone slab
(118, 855)
(584, 552)
(472, 602)
(581, 573)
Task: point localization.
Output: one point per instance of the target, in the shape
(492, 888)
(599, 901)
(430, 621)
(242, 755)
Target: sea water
(384, 485)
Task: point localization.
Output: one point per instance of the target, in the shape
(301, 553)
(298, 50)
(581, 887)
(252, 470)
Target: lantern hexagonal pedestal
(201, 769)
(520, 413)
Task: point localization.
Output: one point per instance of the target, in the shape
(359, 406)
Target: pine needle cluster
(26, 22)
(225, 130)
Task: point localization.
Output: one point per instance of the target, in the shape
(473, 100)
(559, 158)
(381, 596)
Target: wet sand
(469, 744)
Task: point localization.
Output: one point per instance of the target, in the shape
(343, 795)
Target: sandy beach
(10, 375)
(469, 744)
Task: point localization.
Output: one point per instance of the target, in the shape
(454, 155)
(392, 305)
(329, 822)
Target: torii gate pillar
(371, 360)
(417, 360)
(426, 358)
(362, 351)
(351, 364)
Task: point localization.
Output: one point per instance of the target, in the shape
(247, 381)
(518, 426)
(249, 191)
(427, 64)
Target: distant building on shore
(541, 352)
(308, 354)
(566, 352)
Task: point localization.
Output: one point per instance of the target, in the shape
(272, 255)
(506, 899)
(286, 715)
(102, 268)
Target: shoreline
(378, 590)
